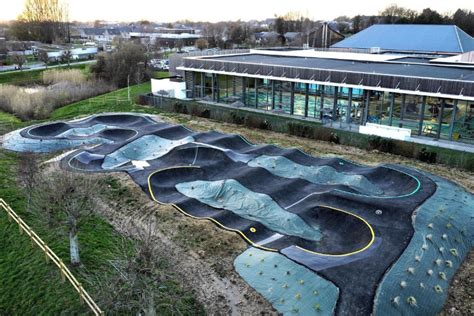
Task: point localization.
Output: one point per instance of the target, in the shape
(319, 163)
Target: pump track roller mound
(325, 235)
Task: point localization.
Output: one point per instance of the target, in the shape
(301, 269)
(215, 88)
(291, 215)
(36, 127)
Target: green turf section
(28, 285)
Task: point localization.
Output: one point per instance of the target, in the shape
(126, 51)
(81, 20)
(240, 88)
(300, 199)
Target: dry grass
(38, 102)
(74, 76)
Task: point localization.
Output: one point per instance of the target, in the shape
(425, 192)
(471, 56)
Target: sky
(221, 10)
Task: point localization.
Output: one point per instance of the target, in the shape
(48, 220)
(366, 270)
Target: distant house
(113, 33)
(407, 38)
(100, 35)
(294, 38)
(264, 38)
(124, 31)
(166, 30)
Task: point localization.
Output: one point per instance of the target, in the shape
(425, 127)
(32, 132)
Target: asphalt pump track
(349, 226)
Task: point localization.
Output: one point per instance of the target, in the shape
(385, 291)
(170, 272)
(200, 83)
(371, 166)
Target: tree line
(394, 14)
(47, 21)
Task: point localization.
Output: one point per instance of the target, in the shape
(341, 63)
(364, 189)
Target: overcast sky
(219, 10)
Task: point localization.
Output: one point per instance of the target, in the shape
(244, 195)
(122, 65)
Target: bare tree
(66, 198)
(134, 287)
(179, 45)
(66, 57)
(43, 56)
(19, 59)
(27, 173)
(202, 44)
(43, 20)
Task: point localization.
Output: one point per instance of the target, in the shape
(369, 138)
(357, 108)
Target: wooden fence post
(61, 269)
(50, 255)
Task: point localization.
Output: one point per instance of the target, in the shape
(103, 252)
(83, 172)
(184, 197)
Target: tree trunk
(150, 309)
(74, 247)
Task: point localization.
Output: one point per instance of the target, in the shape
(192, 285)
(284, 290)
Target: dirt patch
(461, 292)
(199, 252)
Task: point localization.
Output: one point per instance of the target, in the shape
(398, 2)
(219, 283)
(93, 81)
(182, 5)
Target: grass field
(28, 285)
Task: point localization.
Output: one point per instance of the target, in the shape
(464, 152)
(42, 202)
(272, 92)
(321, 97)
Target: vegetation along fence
(296, 126)
(50, 255)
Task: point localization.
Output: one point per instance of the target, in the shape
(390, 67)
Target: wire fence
(50, 255)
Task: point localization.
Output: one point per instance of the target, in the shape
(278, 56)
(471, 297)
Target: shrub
(127, 64)
(205, 114)
(257, 122)
(381, 144)
(334, 138)
(180, 108)
(237, 119)
(427, 156)
(301, 130)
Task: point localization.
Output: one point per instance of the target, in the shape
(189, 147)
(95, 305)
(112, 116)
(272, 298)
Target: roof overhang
(335, 84)
(435, 87)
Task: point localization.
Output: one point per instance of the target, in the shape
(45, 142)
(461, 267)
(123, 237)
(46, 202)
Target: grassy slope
(115, 101)
(28, 285)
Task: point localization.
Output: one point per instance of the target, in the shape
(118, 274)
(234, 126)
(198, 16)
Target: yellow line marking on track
(243, 234)
(372, 233)
(195, 217)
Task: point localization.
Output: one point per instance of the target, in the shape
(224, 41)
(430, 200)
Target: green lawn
(29, 286)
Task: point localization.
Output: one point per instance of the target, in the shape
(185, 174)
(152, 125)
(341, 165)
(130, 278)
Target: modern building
(395, 91)
(408, 38)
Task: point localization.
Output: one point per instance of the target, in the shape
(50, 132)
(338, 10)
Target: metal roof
(411, 38)
(382, 68)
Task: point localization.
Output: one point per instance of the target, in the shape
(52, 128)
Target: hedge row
(314, 130)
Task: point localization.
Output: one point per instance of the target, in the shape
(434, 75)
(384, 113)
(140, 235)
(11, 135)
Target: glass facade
(433, 117)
